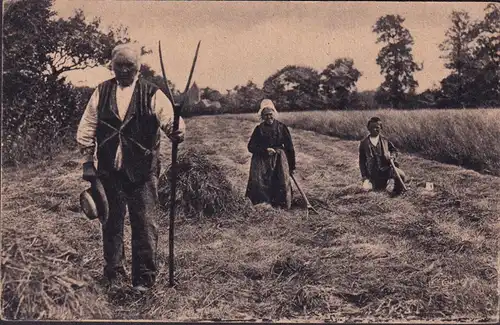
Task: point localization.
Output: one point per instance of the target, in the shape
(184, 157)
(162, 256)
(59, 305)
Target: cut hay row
(50, 260)
(40, 280)
(468, 138)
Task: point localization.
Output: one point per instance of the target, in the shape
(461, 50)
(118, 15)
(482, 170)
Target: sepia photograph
(250, 161)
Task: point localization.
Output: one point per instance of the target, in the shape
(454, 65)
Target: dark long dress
(269, 179)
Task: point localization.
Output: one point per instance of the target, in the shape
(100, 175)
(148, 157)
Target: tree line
(41, 109)
(471, 50)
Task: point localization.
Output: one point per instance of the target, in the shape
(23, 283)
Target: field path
(367, 256)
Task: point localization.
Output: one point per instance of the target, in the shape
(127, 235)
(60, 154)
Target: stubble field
(427, 255)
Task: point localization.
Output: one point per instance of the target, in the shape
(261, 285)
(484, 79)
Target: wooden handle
(397, 174)
(300, 190)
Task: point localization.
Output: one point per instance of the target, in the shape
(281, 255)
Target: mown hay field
(467, 137)
(428, 256)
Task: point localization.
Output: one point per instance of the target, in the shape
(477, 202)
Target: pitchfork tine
(165, 76)
(192, 67)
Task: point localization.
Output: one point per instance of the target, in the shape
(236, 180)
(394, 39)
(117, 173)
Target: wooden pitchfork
(175, 146)
(308, 204)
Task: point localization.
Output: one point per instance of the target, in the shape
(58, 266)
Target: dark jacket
(139, 132)
(275, 136)
(367, 159)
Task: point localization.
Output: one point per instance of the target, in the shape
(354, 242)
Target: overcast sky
(244, 41)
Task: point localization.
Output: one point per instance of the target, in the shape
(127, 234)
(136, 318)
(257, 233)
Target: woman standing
(273, 160)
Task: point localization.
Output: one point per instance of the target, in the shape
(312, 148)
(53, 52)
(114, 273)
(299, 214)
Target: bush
(42, 122)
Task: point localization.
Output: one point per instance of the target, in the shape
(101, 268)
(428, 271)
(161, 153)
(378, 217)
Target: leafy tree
(338, 82)
(211, 94)
(457, 45)
(472, 51)
(364, 100)
(39, 44)
(458, 49)
(294, 88)
(81, 45)
(487, 55)
(245, 98)
(38, 106)
(396, 61)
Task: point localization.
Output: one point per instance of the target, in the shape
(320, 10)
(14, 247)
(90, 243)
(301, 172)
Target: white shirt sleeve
(165, 113)
(85, 135)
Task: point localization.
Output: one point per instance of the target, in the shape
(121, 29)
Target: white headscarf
(267, 103)
(129, 51)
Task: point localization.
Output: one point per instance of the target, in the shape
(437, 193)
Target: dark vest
(138, 133)
(376, 157)
(379, 162)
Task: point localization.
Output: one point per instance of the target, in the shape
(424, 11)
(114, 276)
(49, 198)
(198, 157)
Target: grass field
(429, 256)
(468, 138)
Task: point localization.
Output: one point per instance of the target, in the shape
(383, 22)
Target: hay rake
(397, 175)
(175, 148)
(309, 207)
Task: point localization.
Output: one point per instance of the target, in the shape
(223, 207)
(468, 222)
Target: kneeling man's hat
(94, 202)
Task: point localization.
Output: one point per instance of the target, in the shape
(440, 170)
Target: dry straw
(45, 280)
(203, 189)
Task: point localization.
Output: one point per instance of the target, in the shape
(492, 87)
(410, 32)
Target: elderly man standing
(122, 123)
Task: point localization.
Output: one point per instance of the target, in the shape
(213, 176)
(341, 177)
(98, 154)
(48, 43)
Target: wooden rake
(309, 207)
(397, 175)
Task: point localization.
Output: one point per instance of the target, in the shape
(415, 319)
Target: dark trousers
(143, 207)
(379, 179)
